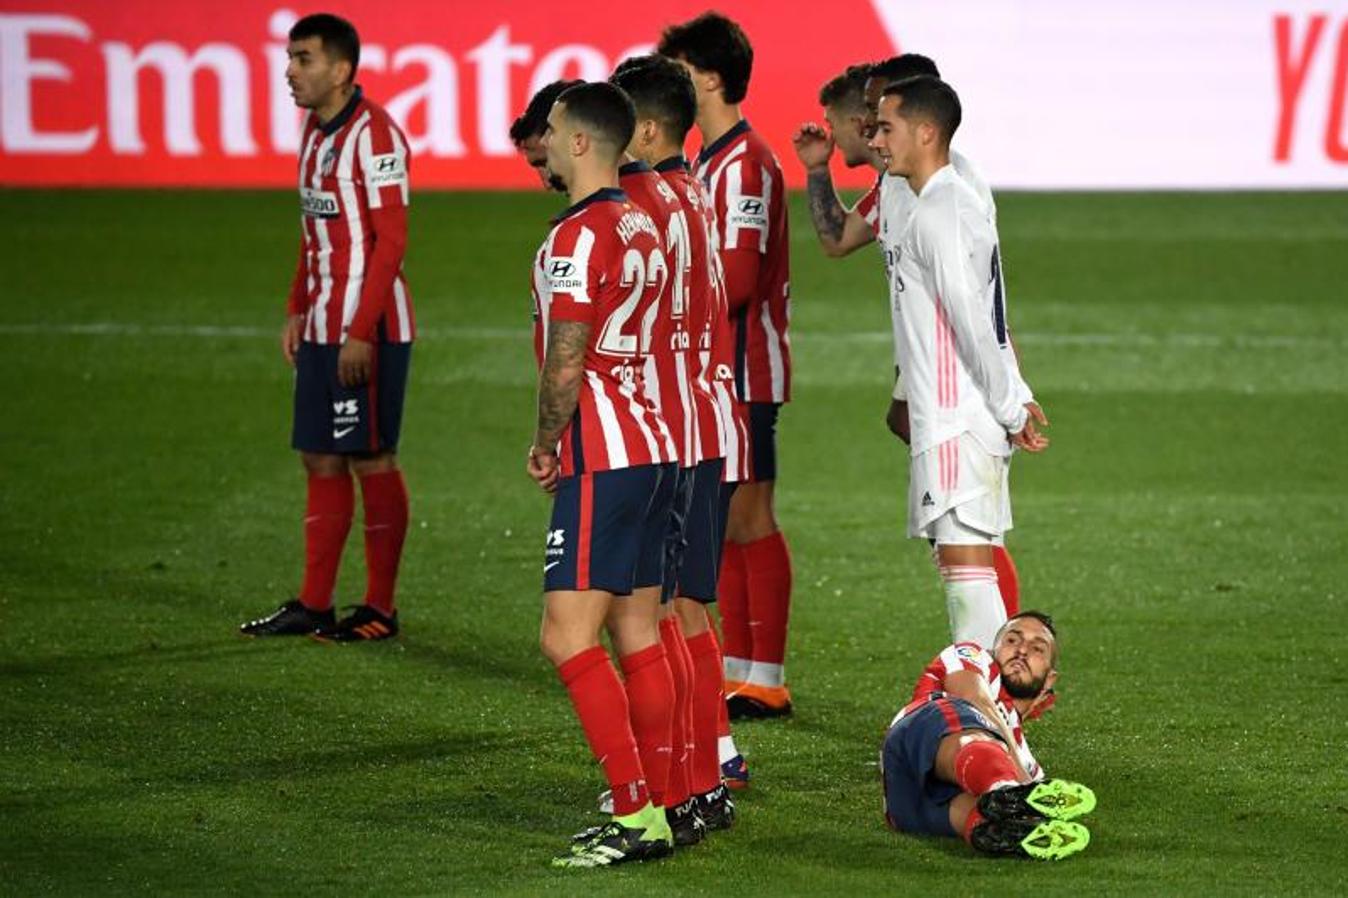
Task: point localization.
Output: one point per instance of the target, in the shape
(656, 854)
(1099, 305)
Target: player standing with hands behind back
(968, 405)
(349, 333)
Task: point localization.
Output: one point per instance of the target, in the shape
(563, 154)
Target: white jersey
(897, 202)
(952, 342)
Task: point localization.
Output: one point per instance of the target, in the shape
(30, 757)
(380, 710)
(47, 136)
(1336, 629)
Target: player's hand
(544, 467)
(290, 338)
(813, 145)
(1029, 438)
(354, 362)
(897, 419)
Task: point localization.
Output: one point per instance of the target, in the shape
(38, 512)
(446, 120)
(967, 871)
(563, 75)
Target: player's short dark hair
(848, 90)
(660, 89)
(905, 65)
(337, 36)
(604, 111)
(713, 43)
(533, 121)
(928, 98)
(1044, 618)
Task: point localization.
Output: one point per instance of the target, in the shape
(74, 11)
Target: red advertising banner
(1114, 94)
(149, 92)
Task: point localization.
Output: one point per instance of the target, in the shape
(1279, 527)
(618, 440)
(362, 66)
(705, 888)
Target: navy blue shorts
(915, 800)
(335, 420)
(763, 441)
(694, 558)
(676, 536)
(608, 530)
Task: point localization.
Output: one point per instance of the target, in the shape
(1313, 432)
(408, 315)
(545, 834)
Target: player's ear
(1049, 681)
(711, 81)
(580, 143)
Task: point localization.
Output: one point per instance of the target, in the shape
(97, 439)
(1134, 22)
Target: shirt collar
(344, 116)
(673, 163)
(741, 127)
(603, 194)
(636, 166)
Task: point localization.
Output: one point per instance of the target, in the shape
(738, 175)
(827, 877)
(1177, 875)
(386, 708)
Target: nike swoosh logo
(550, 565)
(338, 434)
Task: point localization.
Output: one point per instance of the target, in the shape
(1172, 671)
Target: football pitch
(1187, 528)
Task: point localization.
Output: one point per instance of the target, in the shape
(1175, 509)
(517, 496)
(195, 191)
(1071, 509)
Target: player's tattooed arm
(559, 384)
(840, 230)
(826, 210)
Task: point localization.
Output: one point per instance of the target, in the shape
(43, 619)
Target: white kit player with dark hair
(968, 404)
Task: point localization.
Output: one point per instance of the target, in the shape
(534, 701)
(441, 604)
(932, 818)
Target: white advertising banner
(1208, 94)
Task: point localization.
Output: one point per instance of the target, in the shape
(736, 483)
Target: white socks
(974, 603)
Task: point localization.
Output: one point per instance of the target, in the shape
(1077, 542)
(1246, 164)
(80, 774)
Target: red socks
(708, 709)
(650, 702)
(732, 601)
(385, 498)
(679, 785)
(1008, 582)
(769, 574)
(975, 817)
(981, 765)
(601, 704)
(327, 520)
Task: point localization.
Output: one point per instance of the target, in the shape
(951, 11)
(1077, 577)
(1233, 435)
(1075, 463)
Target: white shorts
(959, 494)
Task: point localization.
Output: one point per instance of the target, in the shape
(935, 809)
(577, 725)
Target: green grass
(1187, 528)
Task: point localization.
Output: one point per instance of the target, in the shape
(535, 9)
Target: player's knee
(318, 464)
(374, 463)
(751, 513)
(950, 747)
(555, 644)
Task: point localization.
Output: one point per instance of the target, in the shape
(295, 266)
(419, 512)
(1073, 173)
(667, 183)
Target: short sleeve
(569, 270)
(747, 212)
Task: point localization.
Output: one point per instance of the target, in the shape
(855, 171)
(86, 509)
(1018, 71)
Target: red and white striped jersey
(868, 207)
(603, 264)
(671, 365)
(720, 420)
(749, 196)
(355, 163)
(972, 656)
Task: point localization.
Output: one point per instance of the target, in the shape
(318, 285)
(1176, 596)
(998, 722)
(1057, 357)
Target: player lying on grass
(955, 761)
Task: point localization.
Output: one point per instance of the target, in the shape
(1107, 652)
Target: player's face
(895, 138)
(1025, 656)
(313, 75)
(874, 88)
(531, 148)
(556, 143)
(849, 136)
